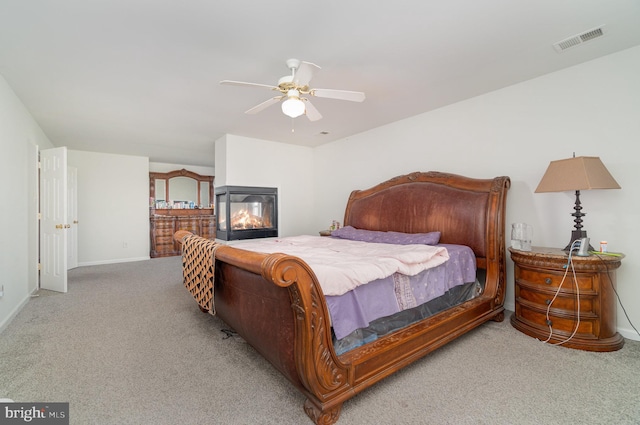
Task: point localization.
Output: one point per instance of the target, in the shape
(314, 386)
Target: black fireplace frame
(228, 234)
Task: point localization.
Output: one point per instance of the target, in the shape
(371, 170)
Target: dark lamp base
(576, 235)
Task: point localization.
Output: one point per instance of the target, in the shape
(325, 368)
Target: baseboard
(7, 320)
(629, 334)
(119, 260)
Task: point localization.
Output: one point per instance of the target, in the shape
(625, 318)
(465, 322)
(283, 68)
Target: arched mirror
(180, 186)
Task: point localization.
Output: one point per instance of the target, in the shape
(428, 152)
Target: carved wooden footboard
(274, 301)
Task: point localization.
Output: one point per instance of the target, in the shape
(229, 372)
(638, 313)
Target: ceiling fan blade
(264, 105)
(354, 96)
(304, 73)
(310, 111)
(242, 83)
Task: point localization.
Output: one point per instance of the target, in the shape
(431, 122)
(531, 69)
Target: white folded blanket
(342, 265)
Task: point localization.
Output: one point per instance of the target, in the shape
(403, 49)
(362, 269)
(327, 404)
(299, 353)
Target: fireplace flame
(243, 220)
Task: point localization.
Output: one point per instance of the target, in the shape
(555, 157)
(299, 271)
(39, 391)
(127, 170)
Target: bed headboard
(466, 211)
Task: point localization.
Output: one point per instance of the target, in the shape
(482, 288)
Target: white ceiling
(141, 77)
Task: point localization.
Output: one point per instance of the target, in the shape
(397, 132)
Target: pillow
(398, 238)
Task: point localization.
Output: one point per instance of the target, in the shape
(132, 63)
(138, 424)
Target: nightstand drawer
(588, 324)
(550, 279)
(562, 302)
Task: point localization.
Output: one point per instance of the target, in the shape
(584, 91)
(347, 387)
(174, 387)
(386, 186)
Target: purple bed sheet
(384, 297)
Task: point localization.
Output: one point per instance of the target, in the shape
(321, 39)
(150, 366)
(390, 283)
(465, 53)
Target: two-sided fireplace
(245, 212)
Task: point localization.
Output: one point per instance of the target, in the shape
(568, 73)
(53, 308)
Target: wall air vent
(576, 40)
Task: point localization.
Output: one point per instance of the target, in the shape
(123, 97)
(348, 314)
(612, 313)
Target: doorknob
(58, 226)
(67, 226)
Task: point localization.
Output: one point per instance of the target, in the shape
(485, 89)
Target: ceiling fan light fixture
(290, 88)
(293, 106)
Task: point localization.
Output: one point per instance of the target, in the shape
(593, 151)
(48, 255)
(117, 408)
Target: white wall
(220, 149)
(253, 162)
(113, 207)
(592, 109)
(20, 138)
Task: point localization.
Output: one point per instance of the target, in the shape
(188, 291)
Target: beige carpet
(128, 345)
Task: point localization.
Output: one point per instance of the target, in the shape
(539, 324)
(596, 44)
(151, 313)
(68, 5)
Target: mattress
(384, 325)
(384, 297)
(434, 274)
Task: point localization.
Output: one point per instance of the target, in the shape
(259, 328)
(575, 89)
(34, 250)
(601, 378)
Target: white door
(53, 225)
(72, 217)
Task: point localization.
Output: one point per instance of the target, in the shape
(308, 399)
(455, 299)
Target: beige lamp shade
(580, 173)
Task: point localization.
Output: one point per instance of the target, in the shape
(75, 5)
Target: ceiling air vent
(578, 39)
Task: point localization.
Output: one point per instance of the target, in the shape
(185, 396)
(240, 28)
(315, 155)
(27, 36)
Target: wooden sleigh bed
(276, 303)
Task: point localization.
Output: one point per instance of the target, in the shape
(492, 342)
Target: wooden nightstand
(538, 274)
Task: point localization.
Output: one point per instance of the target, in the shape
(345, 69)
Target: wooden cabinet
(164, 223)
(182, 187)
(162, 230)
(550, 302)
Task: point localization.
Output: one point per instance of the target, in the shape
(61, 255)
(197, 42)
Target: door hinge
(39, 266)
(39, 216)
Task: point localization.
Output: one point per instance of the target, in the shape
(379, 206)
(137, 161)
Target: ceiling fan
(293, 87)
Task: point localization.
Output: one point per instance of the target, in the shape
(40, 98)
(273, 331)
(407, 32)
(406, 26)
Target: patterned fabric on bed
(342, 265)
(403, 291)
(384, 297)
(397, 238)
(387, 293)
(198, 262)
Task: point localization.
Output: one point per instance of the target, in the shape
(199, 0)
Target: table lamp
(577, 173)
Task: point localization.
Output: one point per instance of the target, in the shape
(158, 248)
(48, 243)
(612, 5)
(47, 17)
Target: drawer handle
(547, 302)
(548, 281)
(549, 322)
